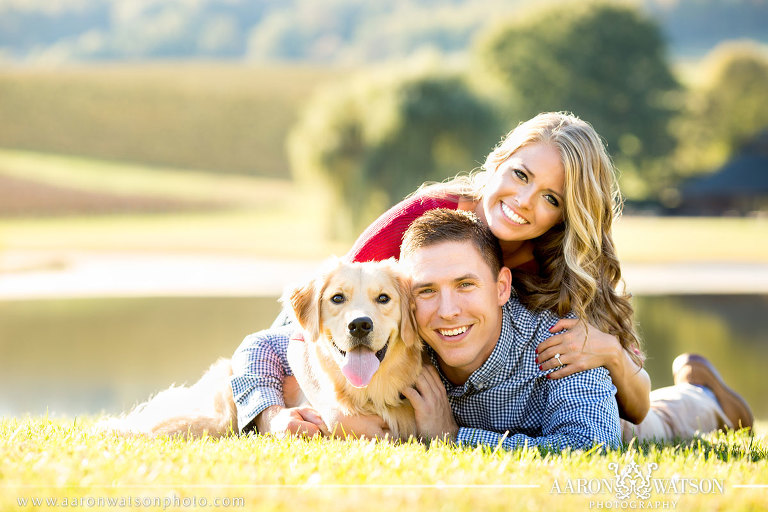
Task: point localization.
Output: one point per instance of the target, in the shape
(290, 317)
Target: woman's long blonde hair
(578, 267)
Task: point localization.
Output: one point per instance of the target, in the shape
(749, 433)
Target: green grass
(60, 459)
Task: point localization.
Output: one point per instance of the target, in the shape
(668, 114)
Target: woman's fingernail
(539, 367)
(537, 359)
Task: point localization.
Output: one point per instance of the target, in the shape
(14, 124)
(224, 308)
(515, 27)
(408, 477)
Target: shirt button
(480, 385)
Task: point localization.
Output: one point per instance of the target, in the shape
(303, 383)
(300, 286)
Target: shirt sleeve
(580, 412)
(382, 239)
(259, 366)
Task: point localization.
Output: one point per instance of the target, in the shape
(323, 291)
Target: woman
(549, 194)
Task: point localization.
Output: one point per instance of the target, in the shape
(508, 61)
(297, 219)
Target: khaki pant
(679, 411)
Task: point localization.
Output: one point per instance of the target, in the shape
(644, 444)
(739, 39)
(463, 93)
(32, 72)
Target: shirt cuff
(475, 436)
(251, 405)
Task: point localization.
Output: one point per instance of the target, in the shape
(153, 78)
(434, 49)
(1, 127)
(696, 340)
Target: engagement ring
(557, 356)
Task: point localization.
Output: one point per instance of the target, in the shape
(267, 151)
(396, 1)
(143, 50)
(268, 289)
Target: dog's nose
(360, 327)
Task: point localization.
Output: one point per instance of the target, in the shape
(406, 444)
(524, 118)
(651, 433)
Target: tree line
(329, 31)
(376, 138)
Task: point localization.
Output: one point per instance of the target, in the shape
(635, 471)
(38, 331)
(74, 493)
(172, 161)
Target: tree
(604, 62)
(727, 109)
(375, 139)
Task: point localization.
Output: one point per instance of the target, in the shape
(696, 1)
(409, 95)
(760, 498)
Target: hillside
(217, 117)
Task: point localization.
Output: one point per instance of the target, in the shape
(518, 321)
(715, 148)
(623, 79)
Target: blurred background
(168, 166)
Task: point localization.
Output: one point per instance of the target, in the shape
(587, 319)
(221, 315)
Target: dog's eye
(383, 298)
(337, 299)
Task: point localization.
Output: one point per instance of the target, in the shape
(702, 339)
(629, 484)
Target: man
(449, 313)
(485, 386)
(484, 349)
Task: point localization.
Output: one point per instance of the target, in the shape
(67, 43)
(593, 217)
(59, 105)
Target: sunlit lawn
(60, 459)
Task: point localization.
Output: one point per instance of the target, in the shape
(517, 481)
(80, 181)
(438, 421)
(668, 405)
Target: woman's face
(523, 198)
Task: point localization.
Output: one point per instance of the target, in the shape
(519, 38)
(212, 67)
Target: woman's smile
(511, 214)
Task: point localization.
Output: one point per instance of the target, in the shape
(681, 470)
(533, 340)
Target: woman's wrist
(616, 358)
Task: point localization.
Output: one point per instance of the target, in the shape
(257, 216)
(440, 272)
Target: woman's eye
(552, 200)
(383, 298)
(337, 299)
(520, 174)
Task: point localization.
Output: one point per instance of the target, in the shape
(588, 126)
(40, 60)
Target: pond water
(85, 356)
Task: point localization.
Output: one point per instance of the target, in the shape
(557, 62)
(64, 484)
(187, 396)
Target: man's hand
(434, 417)
(303, 421)
(370, 426)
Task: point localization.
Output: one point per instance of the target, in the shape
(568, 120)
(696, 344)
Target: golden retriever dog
(360, 350)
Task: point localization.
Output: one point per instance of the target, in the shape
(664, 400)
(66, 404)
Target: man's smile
(453, 333)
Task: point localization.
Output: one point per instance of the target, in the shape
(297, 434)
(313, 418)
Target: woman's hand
(580, 349)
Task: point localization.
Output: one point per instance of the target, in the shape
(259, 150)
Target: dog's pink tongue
(359, 366)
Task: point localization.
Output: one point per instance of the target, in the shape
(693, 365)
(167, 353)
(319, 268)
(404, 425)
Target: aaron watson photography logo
(633, 486)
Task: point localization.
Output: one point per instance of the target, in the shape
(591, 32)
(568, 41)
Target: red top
(382, 239)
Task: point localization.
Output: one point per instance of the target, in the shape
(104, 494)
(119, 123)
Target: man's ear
(504, 284)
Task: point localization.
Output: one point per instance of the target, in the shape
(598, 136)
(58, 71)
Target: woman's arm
(633, 387)
(381, 240)
(581, 350)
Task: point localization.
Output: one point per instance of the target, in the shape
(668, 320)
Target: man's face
(458, 304)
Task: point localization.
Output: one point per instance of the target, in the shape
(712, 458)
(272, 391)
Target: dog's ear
(303, 300)
(408, 329)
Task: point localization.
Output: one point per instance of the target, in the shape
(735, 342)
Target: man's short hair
(445, 225)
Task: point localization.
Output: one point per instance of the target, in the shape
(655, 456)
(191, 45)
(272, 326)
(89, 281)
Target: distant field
(211, 116)
(676, 239)
(80, 204)
(83, 175)
(86, 204)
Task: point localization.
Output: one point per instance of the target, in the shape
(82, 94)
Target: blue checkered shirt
(507, 401)
(259, 366)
